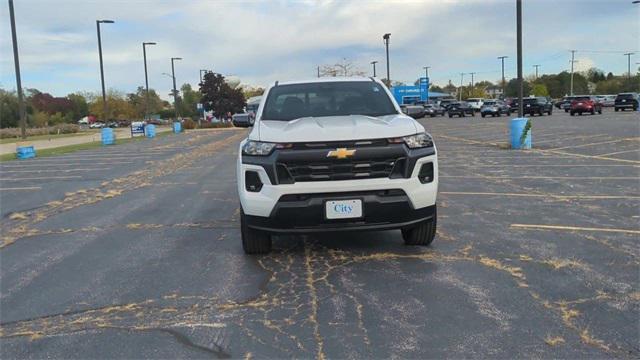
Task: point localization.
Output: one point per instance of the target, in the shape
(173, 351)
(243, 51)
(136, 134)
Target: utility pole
(386, 37)
(573, 54)
(471, 90)
(519, 41)
(374, 67)
(426, 71)
(536, 66)
(502, 59)
(16, 60)
(460, 92)
(146, 78)
(318, 70)
(628, 55)
(104, 93)
(175, 92)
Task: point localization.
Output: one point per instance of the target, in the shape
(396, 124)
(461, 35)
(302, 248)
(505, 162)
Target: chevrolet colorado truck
(330, 155)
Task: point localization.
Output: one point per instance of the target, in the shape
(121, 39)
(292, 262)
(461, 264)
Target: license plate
(528, 105)
(343, 209)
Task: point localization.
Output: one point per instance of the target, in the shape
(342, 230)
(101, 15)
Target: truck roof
(325, 79)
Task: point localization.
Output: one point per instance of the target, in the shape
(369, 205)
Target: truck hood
(335, 128)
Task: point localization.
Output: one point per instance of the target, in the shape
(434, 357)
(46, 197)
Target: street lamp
(104, 93)
(628, 55)
(374, 67)
(146, 78)
(502, 59)
(460, 91)
(426, 71)
(16, 60)
(175, 92)
(385, 38)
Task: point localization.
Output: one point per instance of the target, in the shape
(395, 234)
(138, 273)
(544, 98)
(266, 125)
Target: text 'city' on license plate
(343, 209)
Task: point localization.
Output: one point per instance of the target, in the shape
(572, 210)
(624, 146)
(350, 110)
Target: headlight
(416, 141)
(257, 148)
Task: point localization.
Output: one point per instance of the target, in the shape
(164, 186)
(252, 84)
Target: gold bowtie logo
(341, 153)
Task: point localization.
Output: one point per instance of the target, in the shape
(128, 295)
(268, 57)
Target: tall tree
(219, 97)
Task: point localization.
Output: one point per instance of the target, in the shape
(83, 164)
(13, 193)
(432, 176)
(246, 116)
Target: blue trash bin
(108, 137)
(177, 127)
(25, 152)
(517, 128)
(150, 130)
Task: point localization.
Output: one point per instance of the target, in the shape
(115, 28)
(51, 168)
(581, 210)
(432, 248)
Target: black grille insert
(341, 169)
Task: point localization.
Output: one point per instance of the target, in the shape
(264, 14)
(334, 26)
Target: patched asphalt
(133, 251)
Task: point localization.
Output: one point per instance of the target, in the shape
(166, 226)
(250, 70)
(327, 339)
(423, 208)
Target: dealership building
(409, 94)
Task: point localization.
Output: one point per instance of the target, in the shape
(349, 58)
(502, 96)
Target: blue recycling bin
(108, 137)
(150, 131)
(25, 152)
(517, 128)
(177, 127)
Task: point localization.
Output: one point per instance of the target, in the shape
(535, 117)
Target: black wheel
(509, 113)
(600, 111)
(540, 113)
(483, 115)
(616, 109)
(450, 115)
(254, 241)
(572, 113)
(423, 233)
(593, 112)
(566, 110)
(461, 114)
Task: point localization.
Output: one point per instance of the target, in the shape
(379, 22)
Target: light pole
(16, 60)
(175, 92)
(318, 70)
(502, 59)
(471, 91)
(573, 61)
(385, 38)
(374, 67)
(146, 78)
(426, 71)
(104, 93)
(460, 91)
(519, 41)
(628, 55)
(536, 66)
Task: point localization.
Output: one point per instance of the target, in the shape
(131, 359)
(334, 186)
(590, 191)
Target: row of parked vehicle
(486, 107)
(579, 104)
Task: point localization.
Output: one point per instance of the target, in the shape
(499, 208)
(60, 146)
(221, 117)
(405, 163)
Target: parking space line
(63, 164)
(593, 144)
(572, 228)
(21, 188)
(599, 157)
(542, 177)
(44, 178)
(441, 166)
(53, 170)
(620, 152)
(561, 197)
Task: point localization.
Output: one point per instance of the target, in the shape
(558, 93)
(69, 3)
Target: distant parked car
(626, 101)
(96, 125)
(431, 110)
(609, 100)
(243, 119)
(475, 103)
(584, 104)
(446, 102)
(112, 124)
(533, 105)
(494, 108)
(460, 108)
(415, 111)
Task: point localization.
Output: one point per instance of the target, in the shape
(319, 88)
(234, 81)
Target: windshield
(625, 96)
(289, 102)
(488, 103)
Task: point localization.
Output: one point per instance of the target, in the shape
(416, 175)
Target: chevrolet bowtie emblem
(341, 153)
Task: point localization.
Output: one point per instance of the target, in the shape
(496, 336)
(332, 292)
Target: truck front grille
(341, 169)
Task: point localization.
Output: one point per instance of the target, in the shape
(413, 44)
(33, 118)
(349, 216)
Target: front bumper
(263, 202)
(382, 210)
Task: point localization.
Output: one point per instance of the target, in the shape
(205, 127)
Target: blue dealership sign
(137, 128)
(411, 94)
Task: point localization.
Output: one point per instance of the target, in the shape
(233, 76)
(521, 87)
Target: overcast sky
(264, 41)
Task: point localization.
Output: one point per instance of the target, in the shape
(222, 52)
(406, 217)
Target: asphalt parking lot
(134, 251)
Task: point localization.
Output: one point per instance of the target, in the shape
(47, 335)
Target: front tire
(253, 241)
(423, 233)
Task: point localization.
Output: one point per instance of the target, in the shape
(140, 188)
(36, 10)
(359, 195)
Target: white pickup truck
(335, 155)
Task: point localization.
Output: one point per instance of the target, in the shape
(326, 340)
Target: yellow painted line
(620, 152)
(590, 156)
(51, 170)
(598, 143)
(63, 164)
(21, 188)
(572, 228)
(543, 177)
(580, 197)
(44, 178)
(440, 166)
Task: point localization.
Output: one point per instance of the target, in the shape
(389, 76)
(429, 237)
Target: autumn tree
(219, 97)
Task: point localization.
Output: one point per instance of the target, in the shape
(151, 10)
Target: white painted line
(21, 188)
(548, 196)
(44, 178)
(543, 177)
(51, 170)
(572, 228)
(64, 164)
(593, 144)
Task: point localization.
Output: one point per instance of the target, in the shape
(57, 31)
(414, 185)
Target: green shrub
(215, 125)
